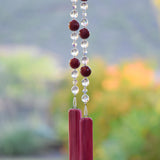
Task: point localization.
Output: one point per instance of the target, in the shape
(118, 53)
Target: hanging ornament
(74, 113)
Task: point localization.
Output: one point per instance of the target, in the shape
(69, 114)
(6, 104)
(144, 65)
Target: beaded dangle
(74, 62)
(85, 70)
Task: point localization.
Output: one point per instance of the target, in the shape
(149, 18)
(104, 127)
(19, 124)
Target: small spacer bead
(74, 63)
(85, 71)
(84, 33)
(73, 25)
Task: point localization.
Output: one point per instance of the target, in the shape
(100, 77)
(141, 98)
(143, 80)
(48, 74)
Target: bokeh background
(35, 81)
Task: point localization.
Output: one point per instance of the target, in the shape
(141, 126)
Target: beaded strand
(85, 69)
(74, 62)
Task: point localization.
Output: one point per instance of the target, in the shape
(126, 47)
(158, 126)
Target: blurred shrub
(27, 82)
(134, 136)
(115, 92)
(20, 142)
(24, 75)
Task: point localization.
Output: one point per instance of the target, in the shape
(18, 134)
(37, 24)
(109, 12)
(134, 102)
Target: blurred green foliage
(124, 104)
(20, 142)
(25, 89)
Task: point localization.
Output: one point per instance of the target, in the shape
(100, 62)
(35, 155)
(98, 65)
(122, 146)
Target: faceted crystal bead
(85, 98)
(74, 6)
(85, 71)
(74, 74)
(85, 82)
(75, 90)
(74, 102)
(73, 25)
(74, 52)
(75, 82)
(74, 63)
(85, 60)
(74, 36)
(84, 44)
(84, 22)
(85, 90)
(85, 111)
(74, 1)
(84, 6)
(74, 44)
(85, 51)
(84, 14)
(74, 14)
(84, 33)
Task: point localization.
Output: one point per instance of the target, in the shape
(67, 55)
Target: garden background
(124, 52)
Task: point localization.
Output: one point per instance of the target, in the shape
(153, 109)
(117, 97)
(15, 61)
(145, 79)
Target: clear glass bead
(74, 6)
(85, 111)
(74, 36)
(74, 74)
(85, 98)
(74, 52)
(74, 44)
(84, 14)
(85, 90)
(74, 1)
(75, 90)
(85, 51)
(85, 60)
(84, 6)
(74, 14)
(84, 22)
(75, 82)
(74, 102)
(84, 44)
(85, 82)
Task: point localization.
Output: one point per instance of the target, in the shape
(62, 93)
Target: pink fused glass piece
(86, 139)
(74, 134)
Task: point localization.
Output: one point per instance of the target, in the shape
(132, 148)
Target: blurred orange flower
(112, 71)
(138, 74)
(110, 84)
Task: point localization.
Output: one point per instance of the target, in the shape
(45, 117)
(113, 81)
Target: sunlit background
(35, 81)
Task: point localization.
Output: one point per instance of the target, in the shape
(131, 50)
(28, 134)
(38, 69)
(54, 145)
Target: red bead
(84, 33)
(74, 63)
(73, 25)
(83, 0)
(85, 71)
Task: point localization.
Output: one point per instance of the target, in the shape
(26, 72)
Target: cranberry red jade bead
(84, 33)
(73, 25)
(85, 71)
(74, 63)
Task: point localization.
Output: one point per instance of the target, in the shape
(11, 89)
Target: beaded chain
(85, 70)
(74, 62)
